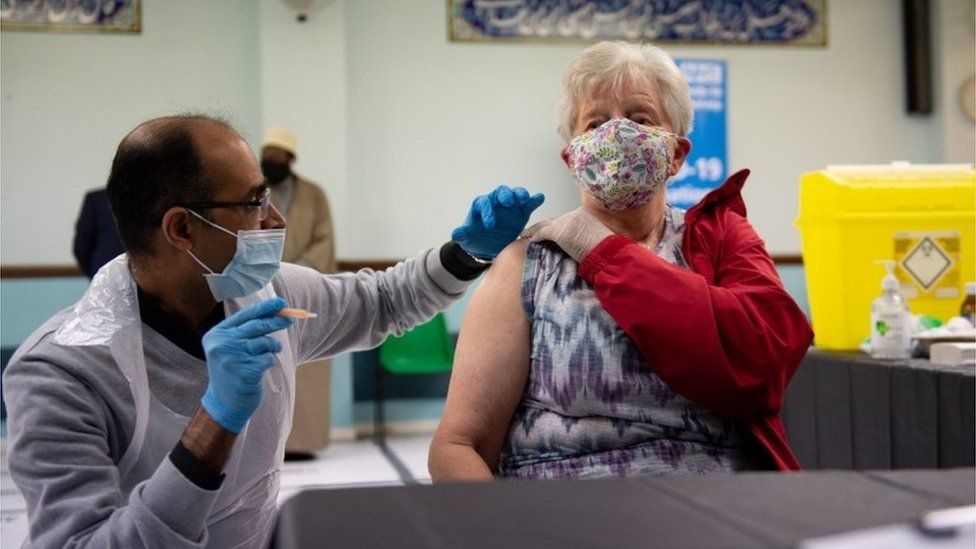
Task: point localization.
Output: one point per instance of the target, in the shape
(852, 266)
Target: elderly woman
(628, 337)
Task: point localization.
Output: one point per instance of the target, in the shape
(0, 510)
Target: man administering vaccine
(154, 412)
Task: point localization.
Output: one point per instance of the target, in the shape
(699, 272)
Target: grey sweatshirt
(71, 412)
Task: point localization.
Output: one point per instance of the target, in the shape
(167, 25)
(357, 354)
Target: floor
(342, 464)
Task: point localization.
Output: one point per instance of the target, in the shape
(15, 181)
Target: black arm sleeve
(459, 263)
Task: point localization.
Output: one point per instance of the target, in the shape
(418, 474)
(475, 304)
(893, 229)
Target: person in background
(310, 241)
(97, 238)
(627, 337)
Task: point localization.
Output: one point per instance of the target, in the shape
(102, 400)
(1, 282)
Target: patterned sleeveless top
(592, 406)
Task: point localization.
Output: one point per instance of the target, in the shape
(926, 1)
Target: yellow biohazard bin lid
(921, 216)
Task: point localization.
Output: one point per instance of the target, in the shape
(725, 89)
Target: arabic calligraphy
(727, 21)
(121, 15)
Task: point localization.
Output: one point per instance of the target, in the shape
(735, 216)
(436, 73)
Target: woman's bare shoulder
(498, 292)
(511, 258)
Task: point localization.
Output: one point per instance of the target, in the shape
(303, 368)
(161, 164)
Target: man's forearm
(209, 442)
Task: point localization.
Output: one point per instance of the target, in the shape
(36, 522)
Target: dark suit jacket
(97, 239)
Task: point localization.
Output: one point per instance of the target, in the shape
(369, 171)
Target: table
(850, 411)
(744, 510)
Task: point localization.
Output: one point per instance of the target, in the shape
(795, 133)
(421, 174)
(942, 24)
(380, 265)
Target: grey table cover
(744, 510)
(849, 411)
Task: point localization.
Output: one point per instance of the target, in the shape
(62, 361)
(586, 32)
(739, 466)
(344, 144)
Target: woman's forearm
(729, 341)
(454, 462)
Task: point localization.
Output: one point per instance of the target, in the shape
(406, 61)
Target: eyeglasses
(262, 205)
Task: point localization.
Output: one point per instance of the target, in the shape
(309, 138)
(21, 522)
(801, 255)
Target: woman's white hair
(608, 66)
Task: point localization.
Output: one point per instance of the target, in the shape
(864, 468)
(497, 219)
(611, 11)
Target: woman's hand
(576, 232)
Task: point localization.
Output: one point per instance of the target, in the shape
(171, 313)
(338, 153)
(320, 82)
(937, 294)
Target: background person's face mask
(621, 163)
(275, 172)
(256, 261)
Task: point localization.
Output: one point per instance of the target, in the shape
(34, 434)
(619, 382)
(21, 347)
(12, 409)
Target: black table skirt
(849, 411)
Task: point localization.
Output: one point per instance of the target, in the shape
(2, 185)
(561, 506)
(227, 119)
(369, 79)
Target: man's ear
(682, 147)
(177, 228)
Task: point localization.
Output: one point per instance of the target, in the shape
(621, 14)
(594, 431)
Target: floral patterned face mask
(621, 163)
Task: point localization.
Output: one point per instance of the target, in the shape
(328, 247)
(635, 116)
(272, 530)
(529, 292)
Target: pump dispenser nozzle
(890, 281)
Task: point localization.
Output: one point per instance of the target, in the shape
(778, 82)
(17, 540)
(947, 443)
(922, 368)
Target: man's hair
(608, 65)
(157, 166)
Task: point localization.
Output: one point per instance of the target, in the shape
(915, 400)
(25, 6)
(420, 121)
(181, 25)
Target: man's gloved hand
(238, 352)
(576, 232)
(495, 220)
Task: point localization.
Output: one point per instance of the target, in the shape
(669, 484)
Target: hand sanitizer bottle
(890, 319)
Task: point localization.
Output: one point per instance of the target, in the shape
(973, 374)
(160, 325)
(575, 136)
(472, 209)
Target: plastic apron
(244, 512)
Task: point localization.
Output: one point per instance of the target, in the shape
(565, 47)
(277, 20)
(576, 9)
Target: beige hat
(281, 138)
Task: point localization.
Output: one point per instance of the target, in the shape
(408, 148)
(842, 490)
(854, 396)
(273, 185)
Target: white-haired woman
(628, 336)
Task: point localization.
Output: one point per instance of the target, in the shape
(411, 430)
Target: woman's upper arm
(491, 364)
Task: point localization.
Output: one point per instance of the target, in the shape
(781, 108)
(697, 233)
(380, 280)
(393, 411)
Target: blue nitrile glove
(238, 352)
(495, 220)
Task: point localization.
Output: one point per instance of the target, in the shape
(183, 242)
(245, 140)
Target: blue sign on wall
(707, 166)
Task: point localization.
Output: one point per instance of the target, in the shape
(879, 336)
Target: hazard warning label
(928, 263)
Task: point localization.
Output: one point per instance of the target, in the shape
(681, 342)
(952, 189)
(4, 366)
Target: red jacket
(724, 334)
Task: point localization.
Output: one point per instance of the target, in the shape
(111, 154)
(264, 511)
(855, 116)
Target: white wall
(68, 99)
(303, 88)
(433, 123)
(954, 60)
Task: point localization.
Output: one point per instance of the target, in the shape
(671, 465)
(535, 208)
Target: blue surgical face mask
(254, 264)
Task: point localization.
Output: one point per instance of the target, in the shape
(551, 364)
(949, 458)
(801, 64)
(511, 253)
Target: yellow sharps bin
(921, 216)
